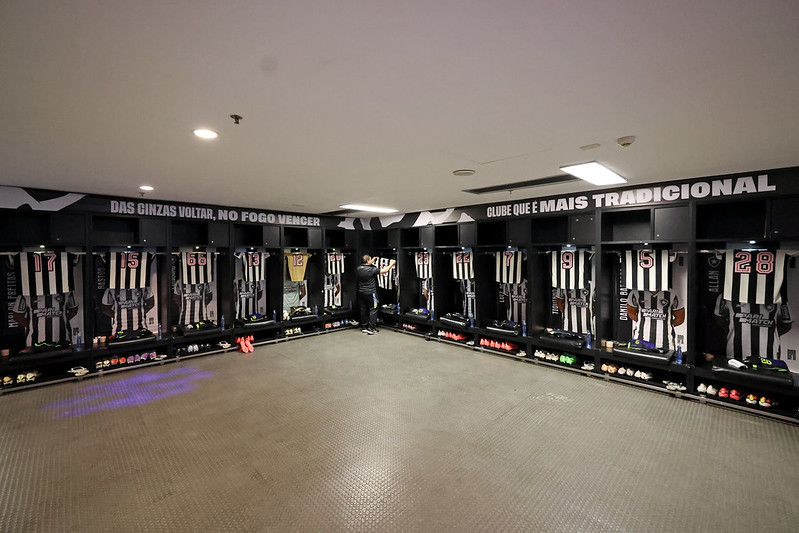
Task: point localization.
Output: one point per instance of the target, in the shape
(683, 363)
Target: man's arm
(389, 267)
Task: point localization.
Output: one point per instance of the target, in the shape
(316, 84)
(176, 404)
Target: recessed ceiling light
(595, 173)
(206, 134)
(463, 172)
(146, 188)
(371, 209)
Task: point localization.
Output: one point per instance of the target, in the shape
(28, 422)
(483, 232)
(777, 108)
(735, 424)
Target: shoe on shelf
(702, 388)
(711, 390)
(630, 372)
(735, 394)
(588, 365)
(751, 399)
(724, 393)
(766, 402)
(622, 371)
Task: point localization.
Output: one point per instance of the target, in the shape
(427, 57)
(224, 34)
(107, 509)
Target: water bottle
(679, 355)
(316, 310)
(222, 322)
(588, 340)
(471, 322)
(524, 329)
(78, 343)
(274, 315)
(160, 332)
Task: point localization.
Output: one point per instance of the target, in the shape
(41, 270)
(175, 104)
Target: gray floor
(345, 432)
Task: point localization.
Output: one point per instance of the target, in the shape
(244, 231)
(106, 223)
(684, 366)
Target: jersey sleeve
(721, 306)
(676, 303)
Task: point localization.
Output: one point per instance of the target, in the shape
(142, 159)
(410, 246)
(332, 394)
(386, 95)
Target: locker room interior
(181, 347)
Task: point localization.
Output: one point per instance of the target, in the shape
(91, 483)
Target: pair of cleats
(588, 365)
(671, 385)
(764, 401)
(734, 394)
(546, 356)
(245, 344)
(293, 331)
(369, 331)
(452, 335)
(567, 359)
(409, 327)
(609, 368)
(640, 374)
(499, 345)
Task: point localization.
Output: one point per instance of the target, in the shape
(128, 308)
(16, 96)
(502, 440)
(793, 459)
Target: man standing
(367, 292)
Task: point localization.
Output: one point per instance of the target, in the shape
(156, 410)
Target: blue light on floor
(140, 389)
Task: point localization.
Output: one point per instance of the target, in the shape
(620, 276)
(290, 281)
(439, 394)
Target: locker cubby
(518, 233)
(672, 223)
(467, 234)
(24, 228)
(271, 236)
(340, 238)
(409, 237)
(295, 237)
(627, 226)
(491, 233)
(247, 235)
(731, 221)
(111, 231)
(218, 234)
(379, 238)
(582, 229)
(153, 231)
(550, 230)
(69, 229)
(447, 236)
(783, 219)
(189, 233)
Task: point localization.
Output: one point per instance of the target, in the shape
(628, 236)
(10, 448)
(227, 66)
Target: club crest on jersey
(714, 261)
(770, 307)
(664, 302)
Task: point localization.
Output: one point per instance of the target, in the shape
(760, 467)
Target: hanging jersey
(655, 320)
(332, 290)
(297, 263)
(248, 293)
(514, 297)
(129, 270)
(194, 303)
(752, 328)
(46, 273)
(47, 317)
(754, 277)
(129, 308)
(424, 265)
(467, 294)
(197, 268)
(646, 270)
(388, 279)
(576, 310)
(509, 267)
(428, 299)
(571, 269)
(253, 265)
(334, 263)
(463, 265)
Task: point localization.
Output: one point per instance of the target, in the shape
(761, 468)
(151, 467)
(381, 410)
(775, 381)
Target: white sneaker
(637, 374)
(630, 372)
(702, 388)
(622, 371)
(646, 376)
(711, 390)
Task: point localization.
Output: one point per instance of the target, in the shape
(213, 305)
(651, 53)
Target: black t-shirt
(367, 278)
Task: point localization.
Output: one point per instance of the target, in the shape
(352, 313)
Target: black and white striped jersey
(509, 267)
(194, 302)
(752, 328)
(387, 280)
(466, 287)
(253, 265)
(47, 317)
(334, 263)
(43, 273)
(463, 265)
(248, 295)
(129, 308)
(646, 270)
(332, 290)
(424, 265)
(571, 269)
(197, 268)
(655, 316)
(129, 270)
(577, 315)
(754, 276)
(514, 297)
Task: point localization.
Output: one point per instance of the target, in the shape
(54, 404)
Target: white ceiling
(378, 101)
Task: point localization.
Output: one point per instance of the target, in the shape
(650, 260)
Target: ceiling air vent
(551, 180)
